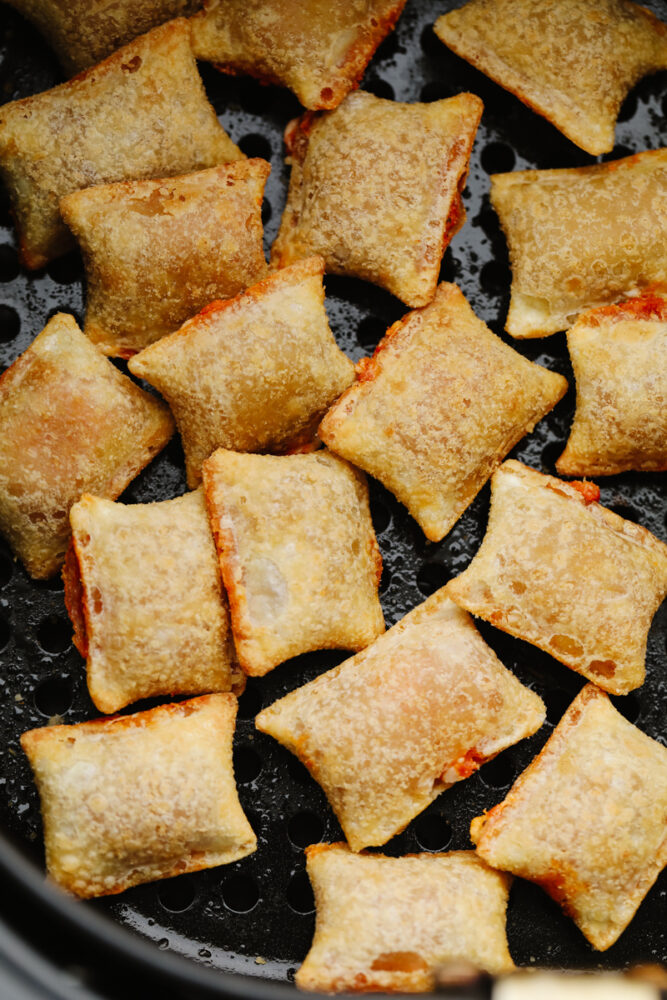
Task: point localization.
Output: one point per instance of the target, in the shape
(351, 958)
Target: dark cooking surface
(256, 915)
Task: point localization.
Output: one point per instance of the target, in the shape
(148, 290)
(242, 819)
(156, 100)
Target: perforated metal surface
(256, 915)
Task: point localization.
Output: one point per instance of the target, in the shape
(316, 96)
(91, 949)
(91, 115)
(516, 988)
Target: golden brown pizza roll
(557, 569)
(84, 32)
(255, 373)
(139, 797)
(298, 554)
(141, 113)
(581, 237)
(394, 726)
(319, 49)
(143, 590)
(385, 924)
(619, 357)
(572, 61)
(158, 251)
(376, 189)
(70, 423)
(437, 408)
(586, 820)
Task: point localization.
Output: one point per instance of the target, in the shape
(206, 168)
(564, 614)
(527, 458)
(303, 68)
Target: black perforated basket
(243, 929)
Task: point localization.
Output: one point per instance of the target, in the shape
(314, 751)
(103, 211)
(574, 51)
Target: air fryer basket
(256, 917)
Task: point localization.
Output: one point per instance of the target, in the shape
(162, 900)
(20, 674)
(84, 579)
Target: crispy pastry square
(394, 726)
(376, 189)
(158, 251)
(319, 50)
(84, 32)
(143, 590)
(572, 61)
(437, 408)
(255, 373)
(70, 423)
(298, 554)
(619, 356)
(587, 819)
(568, 575)
(571, 247)
(141, 113)
(139, 797)
(385, 924)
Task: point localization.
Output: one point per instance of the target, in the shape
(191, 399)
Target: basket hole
(299, 894)
(436, 90)
(495, 277)
(247, 764)
(370, 332)
(627, 512)
(431, 577)
(550, 454)
(253, 97)
(433, 832)
(54, 634)
(385, 580)
(498, 773)
(250, 702)
(305, 828)
(498, 158)
(380, 88)
(9, 263)
(430, 42)
(66, 270)
(6, 566)
(628, 705)
(255, 145)
(380, 514)
(240, 893)
(53, 696)
(176, 895)
(5, 632)
(267, 212)
(557, 703)
(10, 323)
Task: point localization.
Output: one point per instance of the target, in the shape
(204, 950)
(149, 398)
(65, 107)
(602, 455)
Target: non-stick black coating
(256, 916)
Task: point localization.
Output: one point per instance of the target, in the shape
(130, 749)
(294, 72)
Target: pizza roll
(557, 569)
(142, 586)
(586, 820)
(619, 356)
(298, 554)
(571, 248)
(141, 113)
(437, 408)
(158, 251)
(572, 61)
(394, 726)
(70, 423)
(319, 50)
(376, 189)
(84, 32)
(139, 797)
(255, 373)
(385, 924)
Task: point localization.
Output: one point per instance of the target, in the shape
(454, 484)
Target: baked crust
(587, 819)
(298, 554)
(141, 113)
(572, 61)
(70, 423)
(376, 189)
(437, 408)
(571, 248)
(557, 569)
(139, 797)
(385, 924)
(144, 593)
(619, 357)
(158, 251)
(391, 728)
(319, 50)
(254, 373)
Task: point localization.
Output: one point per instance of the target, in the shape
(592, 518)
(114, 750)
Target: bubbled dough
(587, 819)
(158, 251)
(390, 729)
(569, 576)
(375, 189)
(386, 924)
(140, 797)
(571, 248)
(437, 408)
(141, 113)
(156, 618)
(298, 554)
(70, 423)
(572, 61)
